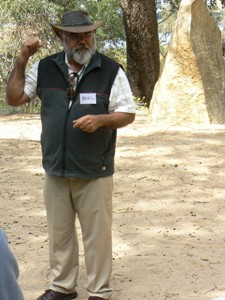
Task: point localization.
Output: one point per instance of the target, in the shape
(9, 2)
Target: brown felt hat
(77, 22)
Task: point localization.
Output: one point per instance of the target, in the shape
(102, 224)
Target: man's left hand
(88, 123)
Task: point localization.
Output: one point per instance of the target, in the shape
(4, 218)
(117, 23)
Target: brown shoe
(52, 295)
(95, 298)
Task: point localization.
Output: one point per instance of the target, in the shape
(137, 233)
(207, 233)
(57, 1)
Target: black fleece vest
(67, 151)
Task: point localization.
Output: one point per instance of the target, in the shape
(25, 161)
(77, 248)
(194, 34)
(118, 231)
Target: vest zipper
(73, 81)
(64, 143)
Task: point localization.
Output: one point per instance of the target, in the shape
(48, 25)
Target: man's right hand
(30, 47)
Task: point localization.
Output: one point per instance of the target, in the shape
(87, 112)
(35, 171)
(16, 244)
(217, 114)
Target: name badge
(88, 98)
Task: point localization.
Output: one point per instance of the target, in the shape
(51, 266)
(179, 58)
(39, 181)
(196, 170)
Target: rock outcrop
(191, 88)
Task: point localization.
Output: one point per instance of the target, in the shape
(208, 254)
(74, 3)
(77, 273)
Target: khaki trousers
(91, 202)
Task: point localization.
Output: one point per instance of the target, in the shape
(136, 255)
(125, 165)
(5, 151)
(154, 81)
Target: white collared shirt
(120, 100)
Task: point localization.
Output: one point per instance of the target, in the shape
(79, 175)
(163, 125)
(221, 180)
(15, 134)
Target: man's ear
(61, 36)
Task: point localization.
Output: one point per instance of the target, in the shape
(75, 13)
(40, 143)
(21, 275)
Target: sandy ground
(169, 210)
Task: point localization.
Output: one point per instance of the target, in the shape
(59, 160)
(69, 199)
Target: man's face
(79, 46)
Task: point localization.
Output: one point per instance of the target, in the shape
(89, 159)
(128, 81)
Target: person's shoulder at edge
(3, 236)
(10, 271)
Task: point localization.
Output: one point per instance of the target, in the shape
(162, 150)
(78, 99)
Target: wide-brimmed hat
(77, 22)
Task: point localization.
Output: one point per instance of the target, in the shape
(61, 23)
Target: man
(85, 97)
(9, 272)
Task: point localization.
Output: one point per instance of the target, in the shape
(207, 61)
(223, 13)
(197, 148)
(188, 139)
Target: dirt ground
(169, 210)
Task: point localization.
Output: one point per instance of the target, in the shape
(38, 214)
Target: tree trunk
(143, 63)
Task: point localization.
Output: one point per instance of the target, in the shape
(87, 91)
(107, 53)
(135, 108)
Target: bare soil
(169, 210)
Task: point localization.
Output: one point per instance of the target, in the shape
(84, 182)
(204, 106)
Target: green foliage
(118, 55)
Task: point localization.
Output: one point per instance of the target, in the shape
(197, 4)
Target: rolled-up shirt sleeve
(121, 98)
(30, 87)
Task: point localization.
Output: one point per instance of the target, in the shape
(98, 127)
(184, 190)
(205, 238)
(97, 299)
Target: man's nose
(81, 38)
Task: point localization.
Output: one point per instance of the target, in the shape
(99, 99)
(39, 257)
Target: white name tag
(88, 98)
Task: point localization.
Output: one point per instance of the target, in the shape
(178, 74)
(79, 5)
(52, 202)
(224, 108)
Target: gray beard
(82, 55)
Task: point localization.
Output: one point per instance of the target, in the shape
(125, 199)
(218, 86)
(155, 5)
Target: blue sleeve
(9, 272)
